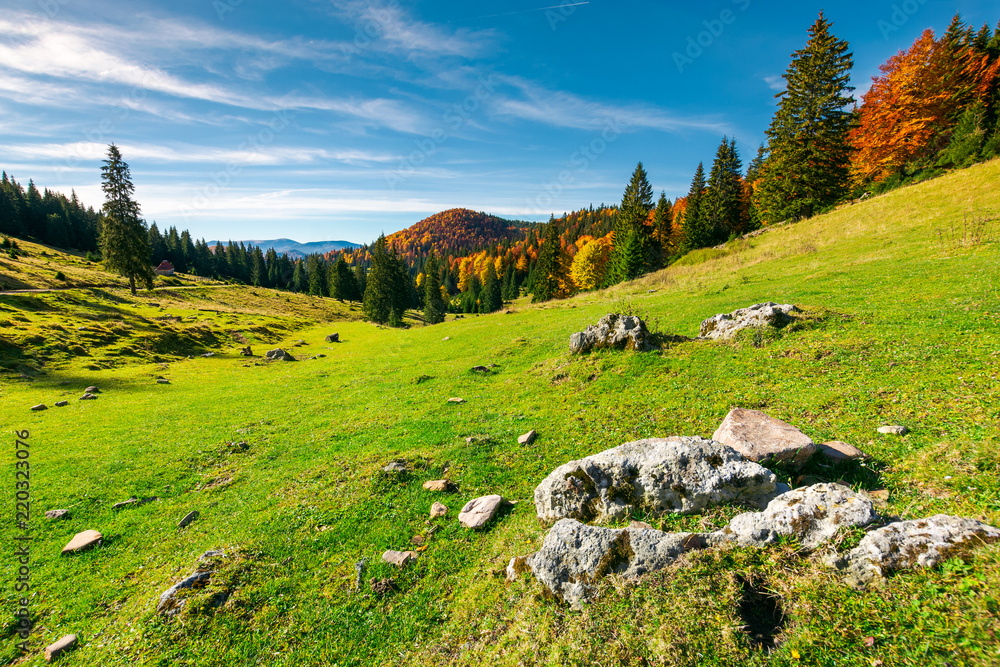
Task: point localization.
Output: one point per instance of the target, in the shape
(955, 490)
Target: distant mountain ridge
(294, 249)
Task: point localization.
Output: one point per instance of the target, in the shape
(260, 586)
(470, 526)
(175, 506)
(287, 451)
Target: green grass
(904, 328)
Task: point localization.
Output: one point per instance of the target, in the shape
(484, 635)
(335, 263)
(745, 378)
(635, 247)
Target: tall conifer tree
(124, 237)
(434, 305)
(693, 226)
(722, 206)
(807, 169)
(633, 238)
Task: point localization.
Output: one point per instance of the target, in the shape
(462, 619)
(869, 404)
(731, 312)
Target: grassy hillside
(905, 329)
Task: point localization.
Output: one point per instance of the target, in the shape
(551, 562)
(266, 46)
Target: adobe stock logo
(901, 13)
(697, 44)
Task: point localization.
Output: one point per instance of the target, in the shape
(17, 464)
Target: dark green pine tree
(258, 267)
(344, 287)
(508, 291)
(545, 278)
(633, 238)
(693, 226)
(361, 279)
(381, 300)
(754, 217)
(807, 169)
(316, 269)
(124, 237)
(157, 244)
(490, 300)
(300, 281)
(722, 206)
(662, 219)
(434, 305)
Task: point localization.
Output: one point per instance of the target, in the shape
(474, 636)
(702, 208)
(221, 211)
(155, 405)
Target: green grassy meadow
(903, 298)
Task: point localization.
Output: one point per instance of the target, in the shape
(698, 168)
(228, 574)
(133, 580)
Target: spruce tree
(754, 217)
(662, 220)
(382, 299)
(344, 287)
(722, 206)
(316, 269)
(434, 305)
(693, 226)
(124, 237)
(361, 280)
(807, 169)
(490, 300)
(633, 238)
(545, 277)
(300, 281)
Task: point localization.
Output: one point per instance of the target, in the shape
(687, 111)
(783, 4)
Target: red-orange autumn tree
(902, 111)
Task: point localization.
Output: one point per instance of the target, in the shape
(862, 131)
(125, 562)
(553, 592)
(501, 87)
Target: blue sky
(322, 120)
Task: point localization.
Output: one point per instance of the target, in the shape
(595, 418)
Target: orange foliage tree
(902, 111)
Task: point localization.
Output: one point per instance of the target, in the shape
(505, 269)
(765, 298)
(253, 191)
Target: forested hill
(456, 232)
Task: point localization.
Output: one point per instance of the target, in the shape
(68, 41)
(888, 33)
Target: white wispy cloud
(775, 82)
(563, 109)
(385, 26)
(191, 154)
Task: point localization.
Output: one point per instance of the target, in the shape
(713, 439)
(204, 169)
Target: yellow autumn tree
(590, 263)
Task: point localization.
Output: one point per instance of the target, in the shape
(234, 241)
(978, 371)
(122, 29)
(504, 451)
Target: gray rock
(82, 542)
(191, 516)
(812, 515)
(662, 475)
(839, 452)
(125, 503)
(764, 439)
(575, 557)
(333, 338)
(359, 572)
(527, 438)
(209, 354)
(397, 466)
(169, 605)
(477, 513)
(57, 514)
(438, 509)
(400, 558)
(456, 400)
(39, 407)
(726, 325)
(162, 381)
(62, 404)
(910, 544)
(278, 354)
(895, 429)
(480, 369)
(88, 397)
(614, 331)
(92, 389)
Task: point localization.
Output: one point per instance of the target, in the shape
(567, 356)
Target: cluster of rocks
(89, 394)
(474, 515)
(628, 332)
(689, 474)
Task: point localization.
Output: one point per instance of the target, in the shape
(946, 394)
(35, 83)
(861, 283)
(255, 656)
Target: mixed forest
(934, 107)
